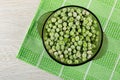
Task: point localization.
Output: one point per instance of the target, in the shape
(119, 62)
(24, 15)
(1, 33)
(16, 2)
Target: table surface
(15, 18)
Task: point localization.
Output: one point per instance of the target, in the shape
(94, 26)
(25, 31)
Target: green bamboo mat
(105, 68)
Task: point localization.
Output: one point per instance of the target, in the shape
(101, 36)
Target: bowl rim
(87, 59)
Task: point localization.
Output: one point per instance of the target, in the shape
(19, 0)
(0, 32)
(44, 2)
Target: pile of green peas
(71, 35)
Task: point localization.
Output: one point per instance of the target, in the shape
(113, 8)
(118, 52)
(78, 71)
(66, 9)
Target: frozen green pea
(51, 43)
(67, 32)
(61, 38)
(69, 14)
(50, 51)
(84, 55)
(76, 61)
(59, 26)
(69, 61)
(54, 27)
(84, 44)
(56, 23)
(64, 18)
(58, 12)
(48, 29)
(78, 54)
(78, 47)
(71, 19)
(53, 19)
(66, 36)
(75, 43)
(61, 56)
(64, 9)
(70, 57)
(96, 39)
(87, 38)
(71, 32)
(89, 24)
(93, 46)
(83, 30)
(78, 11)
(50, 25)
(79, 42)
(77, 23)
(87, 13)
(70, 24)
(61, 33)
(72, 10)
(53, 48)
(73, 39)
(64, 28)
(89, 56)
(72, 47)
(62, 14)
(65, 52)
(69, 53)
(79, 30)
(90, 34)
(62, 60)
(74, 14)
(89, 52)
(64, 24)
(69, 49)
(97, 33)
(66, 56)
(60, 21)
(56, 53)
(84, 49)
(57, 30)
(88, 27)
(62, 47)
(77, 38)
(52, 30)
(78, 17)
(56, 35)
(74, 51)
(57, 47)
(84, 59)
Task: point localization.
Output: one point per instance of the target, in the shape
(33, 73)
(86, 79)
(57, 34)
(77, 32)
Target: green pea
(76, 61)
(60, 21)
(61, 33)
(78, 47)
(89, 52)
(69, 61)
(61, 56)
(74, 51)
(56, 53)
(71, 32)
(79, 42)
(74, 14)
(78, 17)
(53, 19)
(65, 24)
(69, 14)
(72, 47)
(77, 38)
(84, 55)
(69, 49)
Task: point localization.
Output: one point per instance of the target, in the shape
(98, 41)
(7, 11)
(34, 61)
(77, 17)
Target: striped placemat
(105, 68)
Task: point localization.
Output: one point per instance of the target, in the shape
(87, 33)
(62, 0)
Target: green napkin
(105, 68)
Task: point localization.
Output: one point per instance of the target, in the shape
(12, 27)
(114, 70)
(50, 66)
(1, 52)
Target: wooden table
(15, 17)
